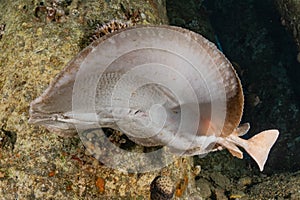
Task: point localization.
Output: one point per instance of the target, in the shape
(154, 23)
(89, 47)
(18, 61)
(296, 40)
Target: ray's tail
(259, 146)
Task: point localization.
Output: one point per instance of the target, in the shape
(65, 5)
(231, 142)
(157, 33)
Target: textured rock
(220, 180)
(34, 48)
(290, 17)
(203, 186)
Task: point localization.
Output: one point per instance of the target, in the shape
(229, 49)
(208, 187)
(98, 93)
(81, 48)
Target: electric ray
(160, 85)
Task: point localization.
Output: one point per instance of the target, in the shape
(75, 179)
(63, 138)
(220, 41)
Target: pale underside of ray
(153, 65)
(185, 56)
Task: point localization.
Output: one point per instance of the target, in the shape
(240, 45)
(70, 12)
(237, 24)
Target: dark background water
(252, 34)
(264, 54)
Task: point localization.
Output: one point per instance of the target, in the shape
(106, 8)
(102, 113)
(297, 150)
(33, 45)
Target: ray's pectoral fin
(232, 148)
(258, 147)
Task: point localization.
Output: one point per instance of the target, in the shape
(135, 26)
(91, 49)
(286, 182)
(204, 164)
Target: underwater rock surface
(290, 19)
(38, 38)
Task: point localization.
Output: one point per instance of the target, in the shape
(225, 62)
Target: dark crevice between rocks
(8, 139)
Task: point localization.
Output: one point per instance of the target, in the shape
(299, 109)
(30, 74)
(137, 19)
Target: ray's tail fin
(258, 147)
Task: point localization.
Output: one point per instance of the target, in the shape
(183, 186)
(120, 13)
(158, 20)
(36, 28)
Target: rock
(203, 186)
(245, 181)
(220, 194)
(289, 10)
(220, 180)
(236, 194)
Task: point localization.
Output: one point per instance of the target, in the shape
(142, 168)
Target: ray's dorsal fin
(242, 129)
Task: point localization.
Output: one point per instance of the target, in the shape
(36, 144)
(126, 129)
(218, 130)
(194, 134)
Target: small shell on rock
(2, 29)
(196, 170)
(162, 188)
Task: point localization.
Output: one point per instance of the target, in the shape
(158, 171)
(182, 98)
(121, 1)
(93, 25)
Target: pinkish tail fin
(258, 147)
